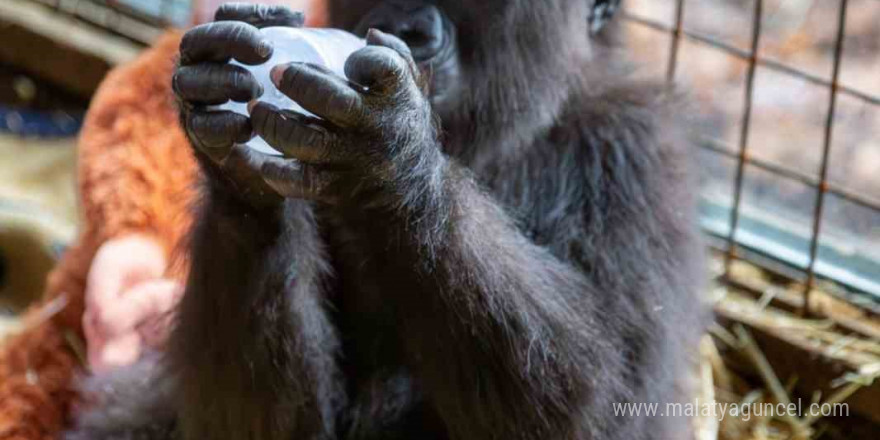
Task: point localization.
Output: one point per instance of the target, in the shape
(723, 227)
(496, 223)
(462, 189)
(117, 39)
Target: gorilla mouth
(423, 27)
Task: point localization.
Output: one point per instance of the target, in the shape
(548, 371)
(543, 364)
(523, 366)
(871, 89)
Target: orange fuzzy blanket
(136, 175)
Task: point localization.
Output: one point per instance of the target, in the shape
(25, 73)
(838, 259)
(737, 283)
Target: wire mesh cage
(739, 232)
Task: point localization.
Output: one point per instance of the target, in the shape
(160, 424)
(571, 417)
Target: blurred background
(786, 130)
(53, 57)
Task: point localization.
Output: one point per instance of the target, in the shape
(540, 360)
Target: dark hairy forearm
(464, 277)
(251, 325)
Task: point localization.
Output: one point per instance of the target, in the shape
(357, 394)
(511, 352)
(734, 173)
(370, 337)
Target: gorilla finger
(379, 68)
(213, 84)
(243, 166)
(222, 40)
(214, 133)
(375, 37)
(295, 135)
(260, 15)
(241, 157)
(294, 179)
(320, 91)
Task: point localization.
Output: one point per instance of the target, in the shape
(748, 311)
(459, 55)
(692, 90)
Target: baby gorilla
(487, 234)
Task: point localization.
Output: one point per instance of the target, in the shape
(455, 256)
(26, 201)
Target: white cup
(326, 47)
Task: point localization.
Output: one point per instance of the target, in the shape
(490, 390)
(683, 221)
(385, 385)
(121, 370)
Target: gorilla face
(503, 64)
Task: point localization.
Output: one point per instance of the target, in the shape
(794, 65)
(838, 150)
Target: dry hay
(734, 370)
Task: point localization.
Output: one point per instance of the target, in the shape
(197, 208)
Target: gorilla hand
(204, 78)
(375, 139)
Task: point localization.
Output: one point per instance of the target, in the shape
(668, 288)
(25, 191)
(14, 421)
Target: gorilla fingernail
(264, 49)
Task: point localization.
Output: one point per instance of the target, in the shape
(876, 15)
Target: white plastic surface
(327, 47)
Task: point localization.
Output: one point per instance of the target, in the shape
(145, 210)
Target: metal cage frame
(821, 185)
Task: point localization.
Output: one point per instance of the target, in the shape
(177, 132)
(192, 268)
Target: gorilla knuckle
(234, 10)
(223, 40)
(291, 76)
(182, 82)
(175, 83)
(280, 15)
(242, 85)
(326, 143)
(264, 12)
(217, 129)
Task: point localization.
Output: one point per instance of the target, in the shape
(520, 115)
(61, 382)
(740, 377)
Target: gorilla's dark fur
(551, 270)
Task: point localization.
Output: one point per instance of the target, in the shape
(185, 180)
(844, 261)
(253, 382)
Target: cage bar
(745, 122)
(675, 44)
(826, 149)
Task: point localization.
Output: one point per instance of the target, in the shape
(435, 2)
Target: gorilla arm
(256, 357)
(256, 332)
(505, 337)
(515, 332)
